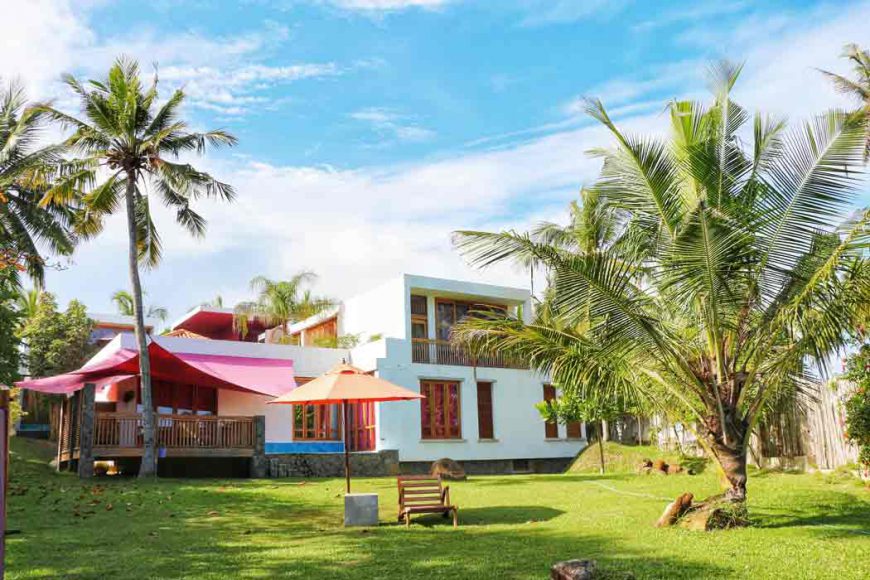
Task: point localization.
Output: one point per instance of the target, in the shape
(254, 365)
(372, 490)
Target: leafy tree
(128, 144)
(26, 171)
(57, 342)
(728, 277)
(279, 302)
(857, 88)
(858, 404)
(124, 303)
(216, 302)
(9, 320)
(10, 362)
(590, 409)
(27, 302)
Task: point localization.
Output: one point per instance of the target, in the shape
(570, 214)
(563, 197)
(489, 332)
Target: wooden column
(258, 460)
(74, 425)
(4, 472)
(86, 444)
(60, 432)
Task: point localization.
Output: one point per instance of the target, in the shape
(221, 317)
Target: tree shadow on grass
(228, 529)
(844, 516)
(491, 516)
(501, 481)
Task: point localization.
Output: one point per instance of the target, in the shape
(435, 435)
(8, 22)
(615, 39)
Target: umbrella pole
(346, 447)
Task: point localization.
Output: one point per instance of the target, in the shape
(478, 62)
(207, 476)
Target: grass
(627, 458)
(804, 526)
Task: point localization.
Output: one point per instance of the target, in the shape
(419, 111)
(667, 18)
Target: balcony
(442, 352)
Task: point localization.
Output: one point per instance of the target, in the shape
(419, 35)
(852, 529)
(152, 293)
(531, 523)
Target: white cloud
(225, 74)
(40, 40)
(234, 91)
(357, 226)
(388, 5)
(543, 12)
(390, 124)
(692, 14)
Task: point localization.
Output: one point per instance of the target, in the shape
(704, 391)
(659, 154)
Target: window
(551, 428)
(449, 312)
(440, 412)
(484, 410)
(174, 399)
(419, 307)
(572, 430)
(317, 422)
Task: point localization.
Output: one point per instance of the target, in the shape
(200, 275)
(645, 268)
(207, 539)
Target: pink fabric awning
(264, 376)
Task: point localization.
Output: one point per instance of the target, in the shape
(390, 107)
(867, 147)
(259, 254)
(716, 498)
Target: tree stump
(715, 513)
(675, 510)
(573, 570)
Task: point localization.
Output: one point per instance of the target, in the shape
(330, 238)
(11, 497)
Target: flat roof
(118, 320)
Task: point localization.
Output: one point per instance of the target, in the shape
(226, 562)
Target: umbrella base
(360, 509)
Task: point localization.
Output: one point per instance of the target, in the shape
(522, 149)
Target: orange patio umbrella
(346, 384)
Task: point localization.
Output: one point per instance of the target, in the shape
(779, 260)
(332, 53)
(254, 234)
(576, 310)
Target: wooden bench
(424, 494)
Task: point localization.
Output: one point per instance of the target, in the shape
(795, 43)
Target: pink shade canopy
(345, 383)
(264, 376)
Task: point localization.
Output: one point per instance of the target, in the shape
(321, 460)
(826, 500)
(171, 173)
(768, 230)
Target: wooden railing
(124, 430)
(442, 352)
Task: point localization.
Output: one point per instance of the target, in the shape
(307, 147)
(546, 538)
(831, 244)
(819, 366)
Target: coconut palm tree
(857, 88)
(124, 303)
(128, 145)
(727, 280)
(27, 302)
(25, 173)
(279, 302)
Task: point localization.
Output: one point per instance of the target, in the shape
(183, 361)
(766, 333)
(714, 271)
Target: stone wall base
(496, 466)
(367, 464)
(386, 463)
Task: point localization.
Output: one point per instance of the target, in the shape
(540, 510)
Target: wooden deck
(118, 435)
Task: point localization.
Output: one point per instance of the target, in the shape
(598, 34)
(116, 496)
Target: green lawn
(805, 526)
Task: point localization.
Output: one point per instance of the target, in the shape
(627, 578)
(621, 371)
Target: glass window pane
(446, 319)
(426, 426)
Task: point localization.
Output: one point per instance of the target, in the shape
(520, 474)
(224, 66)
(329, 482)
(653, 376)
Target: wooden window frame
(481, 434)
(551, 428)
(432, 435)
(319, 432)
(194, 394)
(472, 305)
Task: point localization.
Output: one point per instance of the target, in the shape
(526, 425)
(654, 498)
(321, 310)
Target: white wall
(381, 310)
(517, 425)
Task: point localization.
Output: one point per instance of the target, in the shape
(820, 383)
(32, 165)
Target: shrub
(858, 404)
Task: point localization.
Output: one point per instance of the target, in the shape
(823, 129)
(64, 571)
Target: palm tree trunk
(733, 463)
(148, 467)
(601, 444)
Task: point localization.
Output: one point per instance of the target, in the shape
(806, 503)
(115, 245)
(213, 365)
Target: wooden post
(258, 460)
(86, 441)
(4, 474)
(74, 415)
(346, 446)
(60, 432)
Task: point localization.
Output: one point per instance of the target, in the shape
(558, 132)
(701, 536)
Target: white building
(479, 412)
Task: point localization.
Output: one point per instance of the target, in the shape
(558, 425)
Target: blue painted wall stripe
(273, 447)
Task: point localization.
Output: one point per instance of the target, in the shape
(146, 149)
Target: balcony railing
(442, 352)
(120, 434)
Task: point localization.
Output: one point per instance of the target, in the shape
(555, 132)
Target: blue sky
(371, 129)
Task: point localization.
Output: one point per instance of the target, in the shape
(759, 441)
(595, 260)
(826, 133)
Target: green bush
(858, 404)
